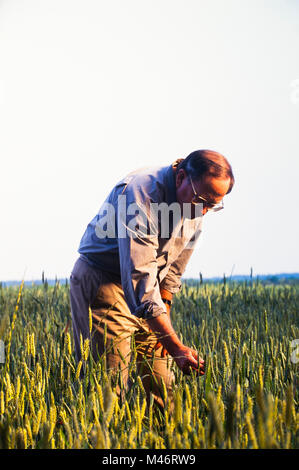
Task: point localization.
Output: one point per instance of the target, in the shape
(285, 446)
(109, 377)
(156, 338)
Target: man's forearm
(186, 358)
(163, 328)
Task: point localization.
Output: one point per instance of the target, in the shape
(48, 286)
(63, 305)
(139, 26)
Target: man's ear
(180, 175)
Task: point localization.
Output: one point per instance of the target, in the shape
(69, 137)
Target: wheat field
(247, 399)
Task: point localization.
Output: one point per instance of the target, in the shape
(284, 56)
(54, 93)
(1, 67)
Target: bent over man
(132, 256)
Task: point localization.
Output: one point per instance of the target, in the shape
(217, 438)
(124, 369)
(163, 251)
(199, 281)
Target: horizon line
(200, 275)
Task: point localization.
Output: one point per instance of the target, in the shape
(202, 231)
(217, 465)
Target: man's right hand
(187, 359)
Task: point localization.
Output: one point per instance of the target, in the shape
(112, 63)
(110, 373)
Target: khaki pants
(114, 329)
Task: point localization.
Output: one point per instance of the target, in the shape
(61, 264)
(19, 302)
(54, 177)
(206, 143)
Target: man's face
(210, 188)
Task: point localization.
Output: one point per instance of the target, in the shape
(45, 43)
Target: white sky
(91, 90)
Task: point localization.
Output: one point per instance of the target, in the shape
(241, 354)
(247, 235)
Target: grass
(248, 397)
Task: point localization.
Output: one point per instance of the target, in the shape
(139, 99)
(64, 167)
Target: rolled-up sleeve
(138, 257)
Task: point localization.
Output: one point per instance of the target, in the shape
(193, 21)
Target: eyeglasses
(211, 206)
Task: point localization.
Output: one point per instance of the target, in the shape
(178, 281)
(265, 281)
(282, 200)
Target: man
(132, 256)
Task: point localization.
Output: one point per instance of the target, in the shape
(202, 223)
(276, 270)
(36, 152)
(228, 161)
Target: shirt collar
(170, 182)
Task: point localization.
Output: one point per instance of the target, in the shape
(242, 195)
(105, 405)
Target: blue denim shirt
(143, 263)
